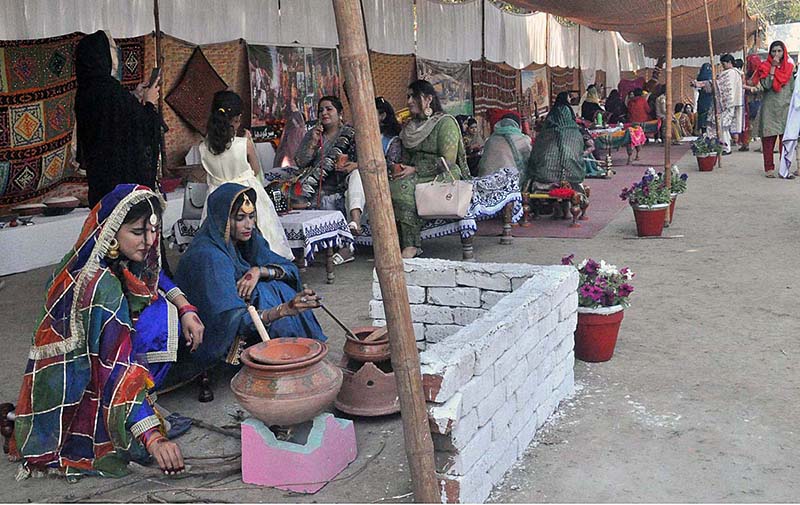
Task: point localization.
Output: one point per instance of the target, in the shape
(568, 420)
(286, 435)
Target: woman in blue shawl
(228, 266)
(705, 100)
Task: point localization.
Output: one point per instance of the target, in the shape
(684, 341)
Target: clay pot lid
(285, 351)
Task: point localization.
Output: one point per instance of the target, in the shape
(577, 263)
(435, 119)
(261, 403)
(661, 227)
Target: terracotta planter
(649, 220)
(596, 333)
(286, 381)
(673, 199)
(706, 163)
(359, 350)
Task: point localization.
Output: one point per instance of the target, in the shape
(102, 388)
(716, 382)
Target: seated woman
(591, 104)
(557, 155)
(429, 135)
(506, 147)
(589, 161)
(228, 158)
(691, 119)
(473, 144)
(238, 268)
(108, 336)
(390, 131)
(681, 126)
(328, 153)
(617, 111)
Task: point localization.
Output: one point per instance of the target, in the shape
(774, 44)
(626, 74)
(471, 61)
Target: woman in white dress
(228, 158)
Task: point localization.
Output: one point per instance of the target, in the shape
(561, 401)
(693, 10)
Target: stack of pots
(368, 386)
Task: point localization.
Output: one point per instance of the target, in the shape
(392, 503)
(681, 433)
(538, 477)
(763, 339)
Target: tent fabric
(307, 22)
(631, 55)
(455, 24)
(643, 21)
(390, 26)
(212, 21)
(562, 48)
(517, 40)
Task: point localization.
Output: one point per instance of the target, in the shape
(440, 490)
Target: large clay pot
(649, 220)
(286, 381)
(371, 351)
(596, 333)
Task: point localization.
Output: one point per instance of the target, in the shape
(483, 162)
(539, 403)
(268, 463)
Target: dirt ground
(699, 403)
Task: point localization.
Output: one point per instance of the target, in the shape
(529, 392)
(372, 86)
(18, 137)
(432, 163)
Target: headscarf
(510, 131)
(783, 73)
(753, 62)
(118, 137)
(592, 96)
(223, 263)
(705, 72)
(81, 385)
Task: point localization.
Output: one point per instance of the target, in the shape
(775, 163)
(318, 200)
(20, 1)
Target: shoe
(796, 173)
(178, 425)
(790, 176)
(725, 153)
(770, 174)
(744, 149)
(338, 259)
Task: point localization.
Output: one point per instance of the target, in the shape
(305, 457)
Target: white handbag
(443, 200)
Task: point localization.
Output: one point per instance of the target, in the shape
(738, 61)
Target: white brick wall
(498, 359)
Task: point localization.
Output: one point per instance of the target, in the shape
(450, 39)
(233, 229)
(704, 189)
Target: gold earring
(113, 249)
(428, 111)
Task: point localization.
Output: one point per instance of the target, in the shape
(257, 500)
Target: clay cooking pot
(286, 381)
(366, 351)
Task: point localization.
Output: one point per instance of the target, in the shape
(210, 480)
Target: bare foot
(409, 252)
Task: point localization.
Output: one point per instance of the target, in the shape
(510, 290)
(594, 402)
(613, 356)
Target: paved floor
(699, 403)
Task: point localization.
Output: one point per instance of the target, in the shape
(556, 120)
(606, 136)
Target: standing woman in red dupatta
(773, 77)
(107, 337)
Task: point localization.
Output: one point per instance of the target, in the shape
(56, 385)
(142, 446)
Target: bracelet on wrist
(152, 436)
(186, 309)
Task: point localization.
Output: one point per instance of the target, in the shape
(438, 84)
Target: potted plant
(676, 187)
(603, 292)
(706, 150)
(649, 199)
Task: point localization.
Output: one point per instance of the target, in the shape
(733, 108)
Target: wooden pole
(713, 76)
(744, 33)
(669, 118)
(388, 263)
(160, 64)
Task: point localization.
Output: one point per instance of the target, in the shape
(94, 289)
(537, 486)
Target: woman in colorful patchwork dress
(239, 269)
(109, 335)
(228, 158)
(429, 135)
(328, 152)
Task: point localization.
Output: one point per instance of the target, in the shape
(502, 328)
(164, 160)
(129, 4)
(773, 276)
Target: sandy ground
(699, 403)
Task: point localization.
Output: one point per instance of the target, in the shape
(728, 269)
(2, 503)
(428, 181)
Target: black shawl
(118, 137)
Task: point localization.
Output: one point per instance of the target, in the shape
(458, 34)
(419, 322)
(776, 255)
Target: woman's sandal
(338, 259)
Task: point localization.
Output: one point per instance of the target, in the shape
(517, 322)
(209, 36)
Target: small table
(316, 230)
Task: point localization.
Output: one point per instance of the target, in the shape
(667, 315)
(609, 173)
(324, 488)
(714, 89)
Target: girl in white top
(227, 158)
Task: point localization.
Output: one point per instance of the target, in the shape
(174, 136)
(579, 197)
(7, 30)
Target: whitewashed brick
(536, 356)
(484, 280)
(518, 420)
(452, 375)
(525, 395)
(530, 339)
(567, 307)
(507, 457)
(567, 388)
(430, 314)
(541, 395)
(464, 315)
(478, 388)
(478, 445)
(416, 294)
(489, 406)
(517, 282)
(506, 363)
(438, 332)
(548, 323)
(464, 429)
(501, 418)
(528, 431)
(432, 277)
(490, 298)
(455, 297)
(376, 310)
(516, 377)
(442, 417)
(421, 345)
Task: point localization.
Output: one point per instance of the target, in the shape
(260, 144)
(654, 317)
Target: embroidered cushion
(191, 98)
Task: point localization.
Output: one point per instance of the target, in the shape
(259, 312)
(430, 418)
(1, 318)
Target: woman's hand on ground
(304, 300)
(246, 285)
(168, 456)
(193, 330)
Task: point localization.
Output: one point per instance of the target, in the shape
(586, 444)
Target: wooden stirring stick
(339, 322)
(262, 331)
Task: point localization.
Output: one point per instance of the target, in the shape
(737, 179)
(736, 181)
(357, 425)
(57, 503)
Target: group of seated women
(110, 334)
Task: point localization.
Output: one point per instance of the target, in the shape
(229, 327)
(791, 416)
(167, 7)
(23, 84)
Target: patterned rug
(37, 92)
(132, 61)
(494, 86)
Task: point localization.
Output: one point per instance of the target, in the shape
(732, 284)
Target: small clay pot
(286, 381)
(371, 351)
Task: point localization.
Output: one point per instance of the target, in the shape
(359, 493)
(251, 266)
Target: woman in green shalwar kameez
(429, 135)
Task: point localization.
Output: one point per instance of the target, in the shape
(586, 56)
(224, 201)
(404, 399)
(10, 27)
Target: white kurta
(791, 133)
(232, 166)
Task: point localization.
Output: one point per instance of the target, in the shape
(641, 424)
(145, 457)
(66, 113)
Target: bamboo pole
(744, 33)
(668, 126)
(160, 64)
(388, 263)
(713, 76)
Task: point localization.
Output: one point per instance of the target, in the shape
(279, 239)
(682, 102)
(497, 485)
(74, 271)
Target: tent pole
(160, 64)
(713, 76)
(668, 126)
(744, 32)
(388, 263)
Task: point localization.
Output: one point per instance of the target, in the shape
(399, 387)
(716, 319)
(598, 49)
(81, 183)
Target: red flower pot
(649, 220)
(706, 163)
(596, 333)
(674, 197)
